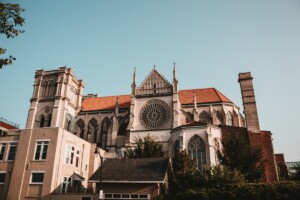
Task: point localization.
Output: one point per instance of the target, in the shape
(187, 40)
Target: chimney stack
(249, 103)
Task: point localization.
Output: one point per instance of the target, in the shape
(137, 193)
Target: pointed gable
(154, 83)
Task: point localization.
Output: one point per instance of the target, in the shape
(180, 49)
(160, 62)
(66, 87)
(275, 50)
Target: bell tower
(247, 90)
(57, 95)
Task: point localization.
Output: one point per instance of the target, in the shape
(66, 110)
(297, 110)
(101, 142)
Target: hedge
(249, 191)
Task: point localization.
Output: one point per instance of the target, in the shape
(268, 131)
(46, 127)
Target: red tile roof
(7, 126)
(206, 95)
(105, 103)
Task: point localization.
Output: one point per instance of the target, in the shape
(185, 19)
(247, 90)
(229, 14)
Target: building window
(77, 158)
(196, 148)
(41, 150)
(220, 118)
(2, 150)
(2, 177)
(80, 128)
(68, 122)
(37, 178)
(42, 121)
(205, 117)
(12, 151)
(70, 151)
(229, 119)
(66, 184)
(49, 120)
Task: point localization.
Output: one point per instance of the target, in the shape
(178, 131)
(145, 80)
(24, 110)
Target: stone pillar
(249, 103)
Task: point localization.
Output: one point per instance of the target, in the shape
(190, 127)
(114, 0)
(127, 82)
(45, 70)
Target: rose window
(155, 114)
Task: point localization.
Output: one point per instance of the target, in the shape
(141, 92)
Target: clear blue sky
(210, 41)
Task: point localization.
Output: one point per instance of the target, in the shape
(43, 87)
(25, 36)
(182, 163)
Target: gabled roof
(205, 95)
(105, 103)
(154, 75)
(142, 170)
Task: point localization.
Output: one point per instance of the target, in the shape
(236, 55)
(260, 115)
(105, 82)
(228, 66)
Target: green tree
(187, 176)
(237, 153)
(296, 176)
(145, 148)
(10, 20)
(183, 164)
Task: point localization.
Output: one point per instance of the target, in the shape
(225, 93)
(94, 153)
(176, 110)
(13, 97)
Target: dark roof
(141, 170)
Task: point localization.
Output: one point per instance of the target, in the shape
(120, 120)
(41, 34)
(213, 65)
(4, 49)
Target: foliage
(183, 164)
(296, 176)
(145, 148)
(248, 191)
(10, 19)
(187, 176)
(238, 154)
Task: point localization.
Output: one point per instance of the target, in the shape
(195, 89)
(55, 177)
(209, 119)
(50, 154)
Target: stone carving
(155, 114)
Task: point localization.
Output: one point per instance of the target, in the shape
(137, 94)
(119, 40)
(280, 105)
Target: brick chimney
(249, 103)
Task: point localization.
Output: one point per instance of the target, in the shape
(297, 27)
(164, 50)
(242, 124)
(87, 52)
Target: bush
(246, 191)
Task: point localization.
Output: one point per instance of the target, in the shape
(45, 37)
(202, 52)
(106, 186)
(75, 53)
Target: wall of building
(53, 167)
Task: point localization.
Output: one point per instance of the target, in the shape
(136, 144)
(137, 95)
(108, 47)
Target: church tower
(249, 103)
(56, 99)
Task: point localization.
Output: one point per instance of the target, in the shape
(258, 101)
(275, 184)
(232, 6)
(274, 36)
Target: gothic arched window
(196, 148)
(205, 117)
(49, 118)
(124, 121)
(68, 122)
(104, 131)
(229, 119)
(92, 128)
(80, 128)
(42, 121)
(44, 85)
(220, 117)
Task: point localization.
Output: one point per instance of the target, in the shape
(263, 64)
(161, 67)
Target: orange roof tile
(105, 103)
(205, 95)
(7, 126)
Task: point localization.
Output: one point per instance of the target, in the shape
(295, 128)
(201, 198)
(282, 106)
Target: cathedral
(74, 124)
(179, 119)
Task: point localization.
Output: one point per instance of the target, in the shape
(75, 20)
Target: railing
(9, 122)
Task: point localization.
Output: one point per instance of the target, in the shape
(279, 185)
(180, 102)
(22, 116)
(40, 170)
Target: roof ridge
(218, 93)
(198, 89)
(109, 96)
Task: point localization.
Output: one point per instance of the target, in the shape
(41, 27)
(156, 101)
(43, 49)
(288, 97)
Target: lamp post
(101, 195)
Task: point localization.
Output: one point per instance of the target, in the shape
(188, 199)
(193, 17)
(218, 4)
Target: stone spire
(175, 81)
(195, 112)
(194, 101)
(117, 108)
(133, 85)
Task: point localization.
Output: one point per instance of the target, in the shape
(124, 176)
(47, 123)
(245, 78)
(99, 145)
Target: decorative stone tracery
(155, 114)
